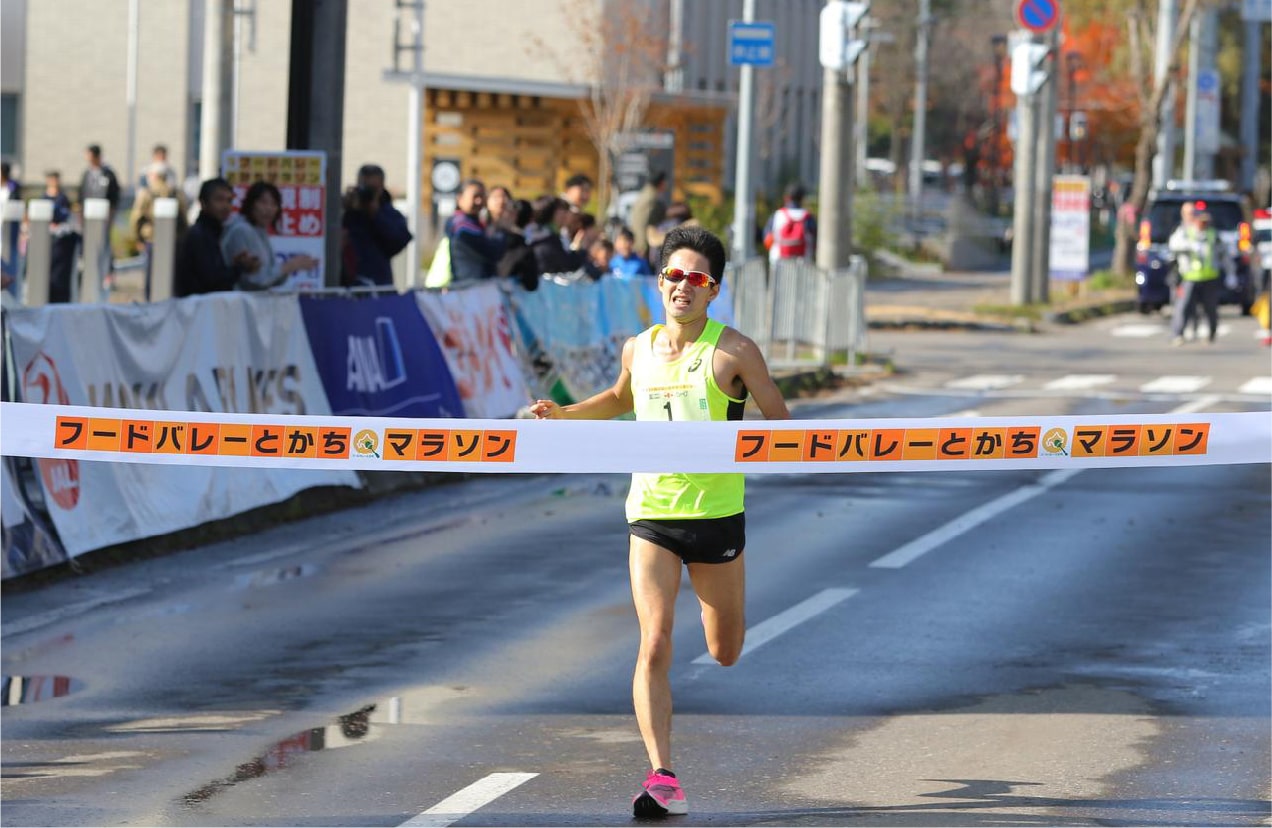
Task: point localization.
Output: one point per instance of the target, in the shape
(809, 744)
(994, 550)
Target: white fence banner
(476, 336)
(225, 352)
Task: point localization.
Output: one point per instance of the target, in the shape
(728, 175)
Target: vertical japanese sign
(300, 177)
(1070, 227)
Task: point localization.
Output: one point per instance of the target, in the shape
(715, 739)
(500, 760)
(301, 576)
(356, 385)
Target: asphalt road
(961, 648)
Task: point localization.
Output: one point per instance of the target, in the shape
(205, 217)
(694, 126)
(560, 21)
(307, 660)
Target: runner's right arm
(606, 405)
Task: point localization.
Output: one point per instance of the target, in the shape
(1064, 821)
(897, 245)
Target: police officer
(1196, 249)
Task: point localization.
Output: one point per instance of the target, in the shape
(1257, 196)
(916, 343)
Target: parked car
(1263, 244)
(1155, 272)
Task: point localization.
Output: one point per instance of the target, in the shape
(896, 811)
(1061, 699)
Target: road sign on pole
(751, 42)
(1037, 16)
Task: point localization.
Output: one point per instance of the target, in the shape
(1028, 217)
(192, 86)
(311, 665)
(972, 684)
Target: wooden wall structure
(532, 144)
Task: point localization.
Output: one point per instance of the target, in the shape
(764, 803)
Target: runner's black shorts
(697, 540)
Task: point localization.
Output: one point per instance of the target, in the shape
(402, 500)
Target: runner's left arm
(754, 373)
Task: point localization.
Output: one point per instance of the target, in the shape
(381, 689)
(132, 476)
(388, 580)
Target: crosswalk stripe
(1140, 331)
(1175, 384)
(1075, 382)
(1258, 385)
(986, 382)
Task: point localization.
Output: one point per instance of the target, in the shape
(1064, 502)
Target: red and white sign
(301, 179)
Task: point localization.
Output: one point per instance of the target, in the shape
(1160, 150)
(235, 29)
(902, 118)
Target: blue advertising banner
(378, 357)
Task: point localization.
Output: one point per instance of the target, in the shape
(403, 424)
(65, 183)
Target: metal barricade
(800, 315)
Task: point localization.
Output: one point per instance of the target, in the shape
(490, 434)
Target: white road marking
(1141, 331)
(986, 382)
(966, 412)
(906, 553)
(771, 628)
(462, 803)
(42, 619)
(1077, 382)
(1258, 385)
(1175, 384)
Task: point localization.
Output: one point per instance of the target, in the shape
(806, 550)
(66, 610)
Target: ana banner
(377, 357)
(223, 352)
(301, 179)
(752, 447)
(477, 341)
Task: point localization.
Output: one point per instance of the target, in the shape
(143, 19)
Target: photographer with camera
(373, 231)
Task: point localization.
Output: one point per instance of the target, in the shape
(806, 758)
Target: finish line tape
(588, 446)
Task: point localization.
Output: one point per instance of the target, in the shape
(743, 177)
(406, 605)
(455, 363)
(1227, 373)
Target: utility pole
(130, 149)
(839, 50)
(1164, 160)
(1253, 14)
(862, 114)
(1044, 171)
(1025, 58)
(743, 190)
(414, 128)
(917, 150)
(218, 83)
(315, 102)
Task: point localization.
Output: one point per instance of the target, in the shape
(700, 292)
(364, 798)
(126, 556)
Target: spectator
(201, 266)
(497, 203)
(158, 158)
(64, 242)
(677, 214)
(791, 232)
(626, 262)
(158, 184)
(600, 255)
(518, 258)
(648, 211)
(578, 192)
(249, 232)
(9, 189)
(473, 253)
(374, 231)
(550, 255)
(579, 230)
(100, 181)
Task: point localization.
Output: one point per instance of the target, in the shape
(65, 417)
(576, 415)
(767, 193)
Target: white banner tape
(750, 446)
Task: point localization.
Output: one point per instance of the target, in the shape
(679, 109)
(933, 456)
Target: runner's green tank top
(682, 390)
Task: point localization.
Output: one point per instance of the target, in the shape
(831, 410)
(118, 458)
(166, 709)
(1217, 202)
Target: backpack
(791, 235)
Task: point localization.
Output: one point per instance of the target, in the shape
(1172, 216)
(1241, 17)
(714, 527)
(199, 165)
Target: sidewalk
(980, 300)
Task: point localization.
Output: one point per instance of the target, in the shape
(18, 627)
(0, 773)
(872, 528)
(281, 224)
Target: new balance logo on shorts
(729, 553)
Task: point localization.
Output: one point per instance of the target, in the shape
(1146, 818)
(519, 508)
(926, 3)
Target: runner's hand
(545, 410)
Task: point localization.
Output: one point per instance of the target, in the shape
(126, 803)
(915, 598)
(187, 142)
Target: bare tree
(619, 51)
(1139, 25)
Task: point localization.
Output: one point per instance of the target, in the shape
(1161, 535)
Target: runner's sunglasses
(696, 277)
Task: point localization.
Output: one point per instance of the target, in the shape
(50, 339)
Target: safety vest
(1202, 265)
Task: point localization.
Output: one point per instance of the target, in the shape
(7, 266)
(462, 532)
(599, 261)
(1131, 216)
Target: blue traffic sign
(1037, 15)
(752, 43)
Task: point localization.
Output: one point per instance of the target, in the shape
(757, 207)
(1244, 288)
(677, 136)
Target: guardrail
(801, 315)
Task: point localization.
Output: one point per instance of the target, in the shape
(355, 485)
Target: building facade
(505, 81)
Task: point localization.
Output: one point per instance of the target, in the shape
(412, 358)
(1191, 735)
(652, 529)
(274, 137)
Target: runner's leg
(655, 574)
(721, 590)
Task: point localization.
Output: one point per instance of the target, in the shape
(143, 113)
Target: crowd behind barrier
(480, 351)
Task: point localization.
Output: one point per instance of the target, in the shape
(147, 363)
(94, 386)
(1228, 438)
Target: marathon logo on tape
(928, 444)
(284, 441)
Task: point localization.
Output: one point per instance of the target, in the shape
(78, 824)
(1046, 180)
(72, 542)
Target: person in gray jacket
(249, 231)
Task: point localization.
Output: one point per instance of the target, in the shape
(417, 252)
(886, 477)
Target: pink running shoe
(662, 796)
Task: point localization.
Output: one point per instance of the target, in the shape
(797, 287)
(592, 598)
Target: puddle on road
(363, 725)
(31, 689)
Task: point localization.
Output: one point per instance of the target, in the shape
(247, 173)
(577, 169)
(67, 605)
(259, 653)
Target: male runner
(692, 368)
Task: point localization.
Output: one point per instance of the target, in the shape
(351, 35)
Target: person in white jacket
(249, 231)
